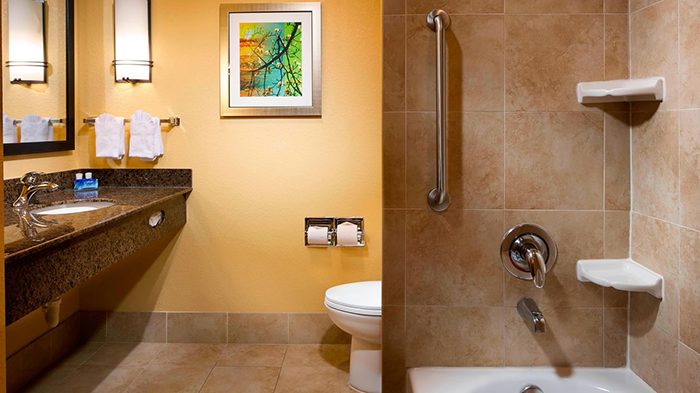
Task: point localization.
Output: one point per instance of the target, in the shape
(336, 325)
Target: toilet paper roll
(347, 234)
(317, 235)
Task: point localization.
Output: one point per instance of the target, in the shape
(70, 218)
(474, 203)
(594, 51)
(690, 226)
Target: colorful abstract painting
(270, 60)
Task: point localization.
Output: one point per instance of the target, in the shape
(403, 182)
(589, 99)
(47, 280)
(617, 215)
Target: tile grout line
(279, 373)
(505, 132)
(605, 127)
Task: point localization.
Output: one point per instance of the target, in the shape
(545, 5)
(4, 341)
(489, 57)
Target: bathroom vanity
(42, 263)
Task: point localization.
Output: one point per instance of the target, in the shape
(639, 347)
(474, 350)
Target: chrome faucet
(528, 310)
(31, 187)
(529, 252)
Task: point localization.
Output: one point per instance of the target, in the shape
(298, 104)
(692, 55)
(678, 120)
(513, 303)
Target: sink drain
(531, 389)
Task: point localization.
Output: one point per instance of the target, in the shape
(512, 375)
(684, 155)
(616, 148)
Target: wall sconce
(132, 41)
(27, 41)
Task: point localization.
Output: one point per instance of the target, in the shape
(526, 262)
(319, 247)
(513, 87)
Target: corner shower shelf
(624, 90)
(622, 274)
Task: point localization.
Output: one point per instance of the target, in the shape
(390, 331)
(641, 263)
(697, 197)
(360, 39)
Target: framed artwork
(270, 59)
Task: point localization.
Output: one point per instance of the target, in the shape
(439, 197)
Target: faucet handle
(30, 178)
(529, 252)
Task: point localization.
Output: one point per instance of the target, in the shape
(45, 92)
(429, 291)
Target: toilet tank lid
(365, 295)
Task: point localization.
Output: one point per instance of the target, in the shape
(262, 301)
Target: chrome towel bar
(172, 121)
(51, 121)
(439, 198)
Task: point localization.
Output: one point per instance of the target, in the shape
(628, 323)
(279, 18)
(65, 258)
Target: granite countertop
(127, 198)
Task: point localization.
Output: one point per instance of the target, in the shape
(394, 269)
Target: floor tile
(103, 379)
(189, 354)
(241, 380)
(313, 380)
(79, 355)
(170, 379)
(134, 354)
(49, 379)
(252, 355)
(318, 356)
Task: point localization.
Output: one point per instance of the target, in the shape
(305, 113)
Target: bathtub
(514, 380)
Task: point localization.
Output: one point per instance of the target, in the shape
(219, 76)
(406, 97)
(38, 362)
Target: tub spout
(528, 310)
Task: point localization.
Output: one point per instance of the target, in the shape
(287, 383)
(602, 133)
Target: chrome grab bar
(439, 198)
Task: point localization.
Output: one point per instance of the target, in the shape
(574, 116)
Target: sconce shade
(27, 54)
(132, 41)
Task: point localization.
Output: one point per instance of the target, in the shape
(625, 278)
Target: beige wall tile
(394, 258)
(616, 47)
(617, 161)
(475, 167)
(554, 160)
(258, 328)
(136, 327)
(574, 338)
(655, 245)
(394, 160)
(688, 376)
(93, 326)
(454, 336)
(655, 30)
(617, 234)
(617, 6)
(547, 55)
(612, 298)
(553, 6)
(315, 328)
(28, 363)
(196, 327)
(690, 168)
(455, 6)
(452, 258)
(241, 379)
(655, 164)
(653, 355)
(392, 7)
(615, 336)
(476, 84)
(394, 69)
(690, 54)
(690, 289)
(393, 349)
(636, 5)
(562, 288)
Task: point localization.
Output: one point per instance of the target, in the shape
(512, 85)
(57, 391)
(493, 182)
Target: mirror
(37, 80)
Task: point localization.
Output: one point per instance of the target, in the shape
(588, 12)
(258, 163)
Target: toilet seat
(361, 298)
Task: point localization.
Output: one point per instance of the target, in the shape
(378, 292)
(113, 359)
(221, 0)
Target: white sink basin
(71, 208)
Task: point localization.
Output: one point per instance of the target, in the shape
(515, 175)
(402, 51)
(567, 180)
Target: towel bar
(51, 121)
(173, 121)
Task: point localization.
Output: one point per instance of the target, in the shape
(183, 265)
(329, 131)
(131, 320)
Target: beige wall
(665, 337)
(254, 179)
(521, 150)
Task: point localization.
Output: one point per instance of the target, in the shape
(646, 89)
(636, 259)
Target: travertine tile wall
(665, 335)
(521, 149)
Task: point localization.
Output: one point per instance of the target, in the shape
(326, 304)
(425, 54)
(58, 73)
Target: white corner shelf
(624, 90)
(622, 274)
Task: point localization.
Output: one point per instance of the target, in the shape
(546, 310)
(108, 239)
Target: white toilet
(357, 309)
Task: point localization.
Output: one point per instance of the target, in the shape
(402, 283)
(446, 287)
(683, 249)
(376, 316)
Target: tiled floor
(210, 368)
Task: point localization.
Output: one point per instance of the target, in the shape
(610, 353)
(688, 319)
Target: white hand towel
(36, 129)
(9, 129)
(109, 137)
(146, 140)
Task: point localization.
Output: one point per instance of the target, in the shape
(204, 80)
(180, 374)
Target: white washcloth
(146, 140)
(109, 137)
(36, 129)
(9, 129)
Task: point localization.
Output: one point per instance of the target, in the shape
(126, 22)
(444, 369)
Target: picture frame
(270, 58)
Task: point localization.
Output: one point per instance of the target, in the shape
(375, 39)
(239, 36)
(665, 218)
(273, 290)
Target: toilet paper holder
(332, 224)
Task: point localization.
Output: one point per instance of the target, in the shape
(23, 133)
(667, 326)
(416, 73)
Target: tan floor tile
(190, 354)
(81, 353)
(103, 379)
(48, 380)
(318, 356)
(241, 380)
(135, 354)
(252, 355)
(170, 379)
(312, 380)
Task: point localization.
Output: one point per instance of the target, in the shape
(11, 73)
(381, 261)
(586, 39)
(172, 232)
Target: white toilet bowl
(357, 309)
